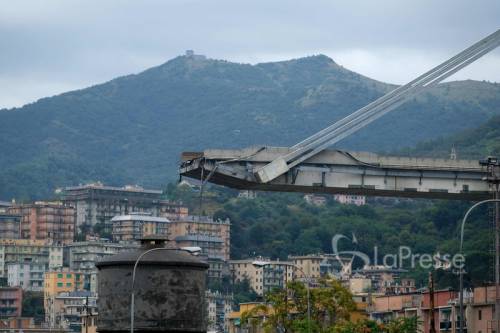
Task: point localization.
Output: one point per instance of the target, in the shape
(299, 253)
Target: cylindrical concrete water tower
(169, 291)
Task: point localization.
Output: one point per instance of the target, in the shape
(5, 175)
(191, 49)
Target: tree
(33, 305)
(286, 310)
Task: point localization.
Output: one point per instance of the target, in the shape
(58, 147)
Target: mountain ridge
(132, 129)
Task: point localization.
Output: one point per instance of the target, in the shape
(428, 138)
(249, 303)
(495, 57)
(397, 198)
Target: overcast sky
(49, 47)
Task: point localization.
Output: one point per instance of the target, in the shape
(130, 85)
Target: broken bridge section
(343, 172)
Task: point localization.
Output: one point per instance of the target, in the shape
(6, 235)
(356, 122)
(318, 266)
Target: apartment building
(308, 266)
(56, 283)
(315, 200)
(48, 221)
(68, 309)
(350, 199)
(10, 226)
(97, 203)
(11, 302)
(219, 306)
(385, 279)
(62, 280)
(29, 251)
(28, 276)
(262, 274)
(83, 256)
(134, 226)
(480, 314)
(212, 236)
(189, 231)
(4, 205)
(359, 284)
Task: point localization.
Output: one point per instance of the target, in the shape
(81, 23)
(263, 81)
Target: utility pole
(432, 324)
(497, 259)
(493, 167)
(87, 315)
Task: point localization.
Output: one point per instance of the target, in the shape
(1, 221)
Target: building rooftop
(100, 186)
(139, 217)
(199, 238)
(202, 219)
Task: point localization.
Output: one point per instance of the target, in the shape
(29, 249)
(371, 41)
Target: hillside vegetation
(473, 143)
(133, 129)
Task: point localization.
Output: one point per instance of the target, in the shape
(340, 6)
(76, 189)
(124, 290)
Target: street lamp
(461, 275)
(308, 279)
(190, 249)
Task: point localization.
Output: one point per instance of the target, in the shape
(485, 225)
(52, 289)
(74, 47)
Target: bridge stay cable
(376, 109)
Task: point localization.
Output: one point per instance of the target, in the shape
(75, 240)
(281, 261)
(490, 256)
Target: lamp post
(461, 276)
(192, 250)
(308, 279)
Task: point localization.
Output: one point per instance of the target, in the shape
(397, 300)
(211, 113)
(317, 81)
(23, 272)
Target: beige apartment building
(308, 266)
(262, 274)
(134, 226)
(48, 221)
(213, 236)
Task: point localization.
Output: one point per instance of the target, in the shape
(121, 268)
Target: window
(59, 276)
(60, 284)
(68, 276)
(68, 284)
(479, 315)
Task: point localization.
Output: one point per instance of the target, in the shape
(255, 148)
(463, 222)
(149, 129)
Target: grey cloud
(68, 44)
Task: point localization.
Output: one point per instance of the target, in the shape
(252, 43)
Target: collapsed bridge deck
(336, 171)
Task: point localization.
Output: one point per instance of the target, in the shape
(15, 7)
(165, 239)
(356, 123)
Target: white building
(219, 306)
(29, 251)
(28, 276)
(350, 199)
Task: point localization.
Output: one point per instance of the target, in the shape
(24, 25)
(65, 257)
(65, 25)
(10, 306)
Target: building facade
(134, 226)
(350, 199)
(308, 266)
(28, 276)
(84, 255)
(96, 203)
(212, 236)
(67, 310)
(25, 251)
(10, 226)
(62, 280)
(219, 306)
(385, 280)
(4, 205)
(189, 232)
(263, 275)
(11, 302)
(48, 221)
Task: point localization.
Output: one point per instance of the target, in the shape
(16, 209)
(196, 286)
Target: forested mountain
(476, 143)
(132, 129)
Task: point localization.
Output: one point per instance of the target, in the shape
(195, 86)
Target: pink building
(11, 300)
(480, 314)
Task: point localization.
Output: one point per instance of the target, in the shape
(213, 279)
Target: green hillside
(133, 129)
(473, 143)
